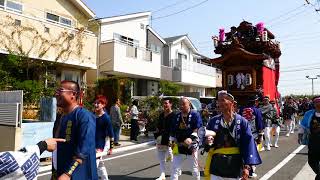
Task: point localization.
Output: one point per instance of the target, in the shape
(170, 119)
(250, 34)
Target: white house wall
(131, 29)
(136, 66)
(196, 79)
(176, 48)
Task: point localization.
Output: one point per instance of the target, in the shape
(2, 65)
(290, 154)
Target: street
(142, 163)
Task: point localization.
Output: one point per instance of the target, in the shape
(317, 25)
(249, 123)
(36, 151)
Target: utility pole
(312, 78)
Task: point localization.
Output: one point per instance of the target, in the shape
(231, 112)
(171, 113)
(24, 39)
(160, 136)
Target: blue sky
(295, 25)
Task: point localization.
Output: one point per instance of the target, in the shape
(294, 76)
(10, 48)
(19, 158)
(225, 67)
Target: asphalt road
(142, 163)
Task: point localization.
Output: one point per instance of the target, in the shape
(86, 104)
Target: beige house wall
(79, 47)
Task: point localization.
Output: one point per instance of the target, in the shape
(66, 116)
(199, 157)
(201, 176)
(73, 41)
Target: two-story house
(129, 47)
(55, 32)
(188, 69)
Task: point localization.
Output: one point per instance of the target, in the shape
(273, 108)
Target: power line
(295, 66)
(169, 6)
(286, 13)
(288, 18)
(178, 12)
(303, 69)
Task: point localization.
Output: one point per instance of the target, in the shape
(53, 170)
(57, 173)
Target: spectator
(116, 119)
(76, 158)
(134, 121)
(103, 129)
(25, 162)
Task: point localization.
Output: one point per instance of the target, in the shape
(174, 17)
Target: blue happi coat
(79, 129)
(243, 137)
(254, 116)
(193, 122)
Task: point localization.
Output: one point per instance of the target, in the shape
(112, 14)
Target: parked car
(207, 100)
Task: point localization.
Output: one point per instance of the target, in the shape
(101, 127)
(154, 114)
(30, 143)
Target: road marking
(107, 159)
(47, 173)
(129, 154)
(282, 163)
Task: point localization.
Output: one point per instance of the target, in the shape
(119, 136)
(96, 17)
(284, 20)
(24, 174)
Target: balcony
(193, 73)
(121, 58)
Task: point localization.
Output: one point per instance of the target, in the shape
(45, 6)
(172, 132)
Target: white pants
(101, 169)
(277, 130)
(214, 177)
(267, 136)
(291, 124)
(192, 162)
(162, 154)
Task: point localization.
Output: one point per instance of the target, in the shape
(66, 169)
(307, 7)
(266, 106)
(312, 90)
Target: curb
(115, 151)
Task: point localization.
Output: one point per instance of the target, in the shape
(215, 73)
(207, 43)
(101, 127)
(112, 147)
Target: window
(155, 48)
(17, 22)
(127, 40)
(71, 76)
(52, 17)
(2, 4)
(65, 21)
(14, 6)
(61, 20)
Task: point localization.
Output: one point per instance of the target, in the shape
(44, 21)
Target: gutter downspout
(98, 50)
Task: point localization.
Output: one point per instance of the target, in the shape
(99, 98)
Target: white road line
(282, 163)
(129, 154)
(107, 159)
(47, 173)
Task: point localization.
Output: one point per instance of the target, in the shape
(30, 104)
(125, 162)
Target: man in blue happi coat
(76, 158)
(233, 150)
(184, 135)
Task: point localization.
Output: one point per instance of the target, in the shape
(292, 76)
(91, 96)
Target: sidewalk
(125, 140)
(305, 173)
(126, 145)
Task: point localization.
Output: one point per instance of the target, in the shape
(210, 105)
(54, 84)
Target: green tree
(169, 88)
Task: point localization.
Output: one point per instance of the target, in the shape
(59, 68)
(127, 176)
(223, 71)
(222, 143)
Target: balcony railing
(133, 51)
(186, 65)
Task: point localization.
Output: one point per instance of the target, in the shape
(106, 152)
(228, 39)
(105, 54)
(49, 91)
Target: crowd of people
(237, 135)
(232, 138)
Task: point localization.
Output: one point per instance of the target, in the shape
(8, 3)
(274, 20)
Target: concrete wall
(166, 73)
(10, 138)
(165, 56)
(35, 40)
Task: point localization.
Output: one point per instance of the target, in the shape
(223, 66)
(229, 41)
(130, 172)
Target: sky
(295, 24)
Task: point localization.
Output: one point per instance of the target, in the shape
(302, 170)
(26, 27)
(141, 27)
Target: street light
(312, 78)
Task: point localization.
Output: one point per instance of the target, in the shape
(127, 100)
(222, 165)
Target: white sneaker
(180, 172)
(268, 148)
(254, 175)
(287, 134)
(276, 145)
(292, 132)
(161, 177)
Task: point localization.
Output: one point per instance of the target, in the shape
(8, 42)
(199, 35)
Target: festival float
(249, 61)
